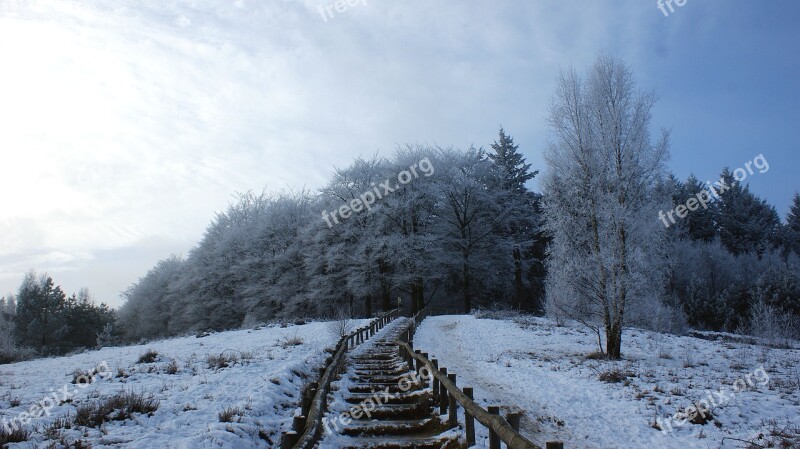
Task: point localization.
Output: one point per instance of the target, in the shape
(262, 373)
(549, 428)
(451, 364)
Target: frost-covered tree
(793, 225)
(473, 223)
(147, 311)
(600, 199)
(409, 216)
(8, 348)
(354, 246)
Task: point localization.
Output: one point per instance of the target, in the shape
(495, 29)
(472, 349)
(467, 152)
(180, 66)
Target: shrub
(229, 413)
(596, 355)
(614, 375)
(291, 341)
(149, 356)
(119, 407)
(223, 360)
(172, 368)
(496, 313)
(341, 323)
(18, 434)
(770, 323)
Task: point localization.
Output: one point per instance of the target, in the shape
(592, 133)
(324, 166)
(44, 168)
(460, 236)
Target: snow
(542, 368)
(264, 384)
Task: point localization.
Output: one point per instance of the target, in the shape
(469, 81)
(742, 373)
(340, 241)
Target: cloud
(128, 121)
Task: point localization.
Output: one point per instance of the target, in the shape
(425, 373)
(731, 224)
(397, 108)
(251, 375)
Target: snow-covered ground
(267, 368)
(543, 369)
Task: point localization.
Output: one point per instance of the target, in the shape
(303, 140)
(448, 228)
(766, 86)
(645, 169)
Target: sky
(126, 125)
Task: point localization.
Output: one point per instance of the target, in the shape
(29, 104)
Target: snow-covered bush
(771, 323)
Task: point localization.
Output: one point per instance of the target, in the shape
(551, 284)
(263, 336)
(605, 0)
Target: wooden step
(391, 427)
(406, 442)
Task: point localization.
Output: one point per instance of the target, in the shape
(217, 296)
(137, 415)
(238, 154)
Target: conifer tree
(511, 163)
(793, 225)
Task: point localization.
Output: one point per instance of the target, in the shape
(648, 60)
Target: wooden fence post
(435, 364)
(469, 420)
(419, 364)
(289, 439)
(425, 354)
(308, 397)
(513, 420)
(494, 440)
(453, 418)
(298, 423)
(443, 402)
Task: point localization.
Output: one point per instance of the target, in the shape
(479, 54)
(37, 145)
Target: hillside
(254, 374)
(548, 371)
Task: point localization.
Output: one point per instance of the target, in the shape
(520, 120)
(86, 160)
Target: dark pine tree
(511, 163)
(746, 223)
(793, 225)
(699, 223)
(525, 224)
(40, 306)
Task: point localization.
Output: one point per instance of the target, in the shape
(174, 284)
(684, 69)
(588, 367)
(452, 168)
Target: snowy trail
(543, 369)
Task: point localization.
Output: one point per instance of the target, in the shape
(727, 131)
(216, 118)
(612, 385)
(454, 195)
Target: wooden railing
(307, 427)
(447, 396)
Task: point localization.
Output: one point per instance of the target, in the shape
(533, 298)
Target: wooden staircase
(385, 405)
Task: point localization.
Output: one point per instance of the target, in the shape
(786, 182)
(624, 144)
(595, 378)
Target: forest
(469, 232)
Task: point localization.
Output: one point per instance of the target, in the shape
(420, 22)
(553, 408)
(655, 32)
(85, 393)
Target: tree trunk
(417, 296)
(386, 291)
(517, 279)
(368, 305)
(466, 286)
(467, 293)
(614, 341)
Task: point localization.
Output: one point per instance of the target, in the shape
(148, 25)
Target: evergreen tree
(511, 163)
(8, 350)
(699, 223)
(40, 306)
(746, 223)
(793, 225)
(524, 224)
(83, 321)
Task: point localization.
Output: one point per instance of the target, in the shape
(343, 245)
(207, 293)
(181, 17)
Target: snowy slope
(263, 384)
(542, 368)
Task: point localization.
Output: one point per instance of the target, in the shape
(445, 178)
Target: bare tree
(600, 201)
(341, 323)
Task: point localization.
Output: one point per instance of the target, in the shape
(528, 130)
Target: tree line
(589, 247)
(467, 236)
(42, 320)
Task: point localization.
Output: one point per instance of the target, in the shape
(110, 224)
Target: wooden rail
(447, 395)
(307, 428)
